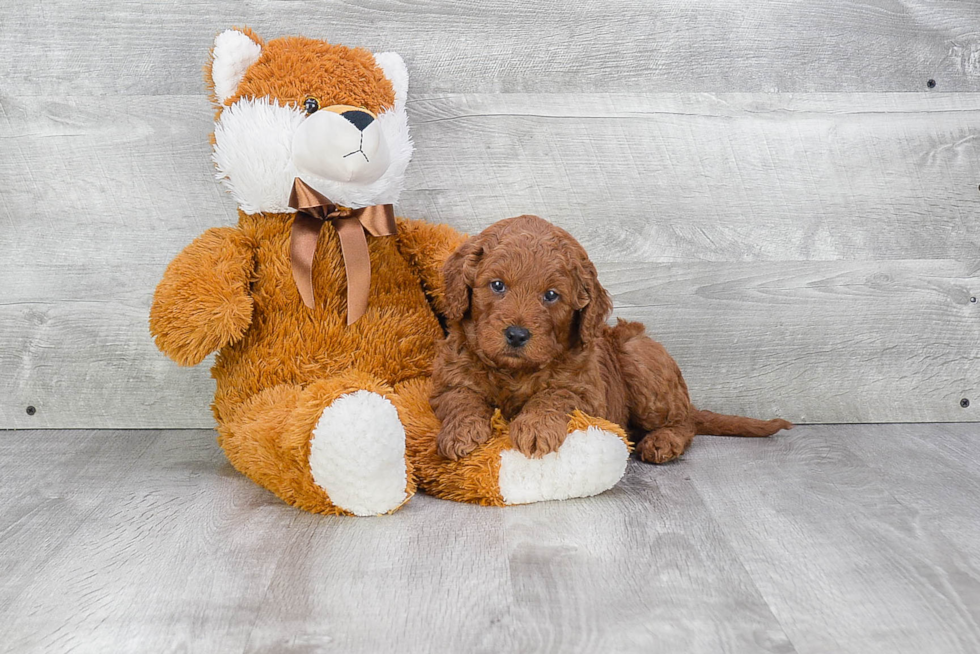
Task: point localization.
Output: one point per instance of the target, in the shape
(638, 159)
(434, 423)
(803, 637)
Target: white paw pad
(357, 454)
(588, 463)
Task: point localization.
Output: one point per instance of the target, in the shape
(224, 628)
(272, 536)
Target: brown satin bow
(312, 210)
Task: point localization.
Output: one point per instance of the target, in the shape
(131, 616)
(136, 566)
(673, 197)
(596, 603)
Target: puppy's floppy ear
(459, 273)
(593, 300)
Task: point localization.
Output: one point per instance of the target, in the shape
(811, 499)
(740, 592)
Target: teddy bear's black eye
(311, 105)
(551, 296)
(498, 286)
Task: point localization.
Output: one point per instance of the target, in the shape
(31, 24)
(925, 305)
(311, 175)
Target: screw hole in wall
(965, 403)
(973, 299)
(931, 84)
(31, 410)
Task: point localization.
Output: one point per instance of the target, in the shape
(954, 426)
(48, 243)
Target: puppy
(527, 334)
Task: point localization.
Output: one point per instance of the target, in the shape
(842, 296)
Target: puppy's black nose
(516, 336)
(359, 119)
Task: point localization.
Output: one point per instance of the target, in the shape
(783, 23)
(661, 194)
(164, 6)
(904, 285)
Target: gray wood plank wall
(770, 185)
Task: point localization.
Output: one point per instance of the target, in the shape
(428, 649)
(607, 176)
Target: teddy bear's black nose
(359, 119)
(516, 336)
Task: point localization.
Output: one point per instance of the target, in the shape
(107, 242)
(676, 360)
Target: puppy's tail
(717, 424)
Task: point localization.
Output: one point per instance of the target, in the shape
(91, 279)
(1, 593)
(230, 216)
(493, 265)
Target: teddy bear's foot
(334, 447)
(357, 454)
(590, 461)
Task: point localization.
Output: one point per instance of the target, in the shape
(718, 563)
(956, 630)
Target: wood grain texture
(161, 564)
(935, 476)
(345, 578)
(827, 538)
(879, 341)
(843, 529)
(647, 567)
(809, 256)
(731, 177)
(166, 561)
(646, 178)
(809, 341)
(543, 46)
(51, 485)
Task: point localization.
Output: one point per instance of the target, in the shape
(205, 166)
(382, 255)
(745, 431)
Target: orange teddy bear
(323, 307)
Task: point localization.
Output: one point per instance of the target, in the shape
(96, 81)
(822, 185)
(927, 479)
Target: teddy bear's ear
(233, 52)
(396, 72)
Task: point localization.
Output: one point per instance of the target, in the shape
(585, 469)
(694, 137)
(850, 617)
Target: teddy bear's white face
(341, 143)
(349, 154)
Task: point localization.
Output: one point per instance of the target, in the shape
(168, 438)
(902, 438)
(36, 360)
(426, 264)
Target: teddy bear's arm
(427, 246)
(203, 301)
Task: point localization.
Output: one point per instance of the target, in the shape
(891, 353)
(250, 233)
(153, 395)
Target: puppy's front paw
(460, 436)
(537, 437)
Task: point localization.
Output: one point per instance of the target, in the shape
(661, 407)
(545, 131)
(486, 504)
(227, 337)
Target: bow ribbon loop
(313, 209)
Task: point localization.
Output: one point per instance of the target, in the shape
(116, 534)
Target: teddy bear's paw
(357, 454)
(589, 462)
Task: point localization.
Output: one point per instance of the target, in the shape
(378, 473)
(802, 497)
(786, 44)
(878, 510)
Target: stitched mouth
(360, 149)
(356, 152)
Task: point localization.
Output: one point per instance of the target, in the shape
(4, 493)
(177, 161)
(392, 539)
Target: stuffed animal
(323, 306)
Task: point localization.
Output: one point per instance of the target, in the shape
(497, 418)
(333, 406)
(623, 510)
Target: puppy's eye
(551, 296)
(311, 105)
(498, 286)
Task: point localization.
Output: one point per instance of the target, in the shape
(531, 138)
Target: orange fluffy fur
(280, 363)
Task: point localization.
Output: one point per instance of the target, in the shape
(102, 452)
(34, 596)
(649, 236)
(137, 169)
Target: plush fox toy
(323, 307)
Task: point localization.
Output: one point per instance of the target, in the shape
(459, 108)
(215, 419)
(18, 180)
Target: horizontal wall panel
(97, 194)
(880, 341)
(545, 46)
(810, 255)
(895, 341)
(723, 178)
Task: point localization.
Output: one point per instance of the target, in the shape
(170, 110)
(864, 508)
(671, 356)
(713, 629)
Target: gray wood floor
(827, 539)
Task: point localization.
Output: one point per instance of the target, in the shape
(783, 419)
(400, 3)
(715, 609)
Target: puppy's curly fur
(528, 275)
